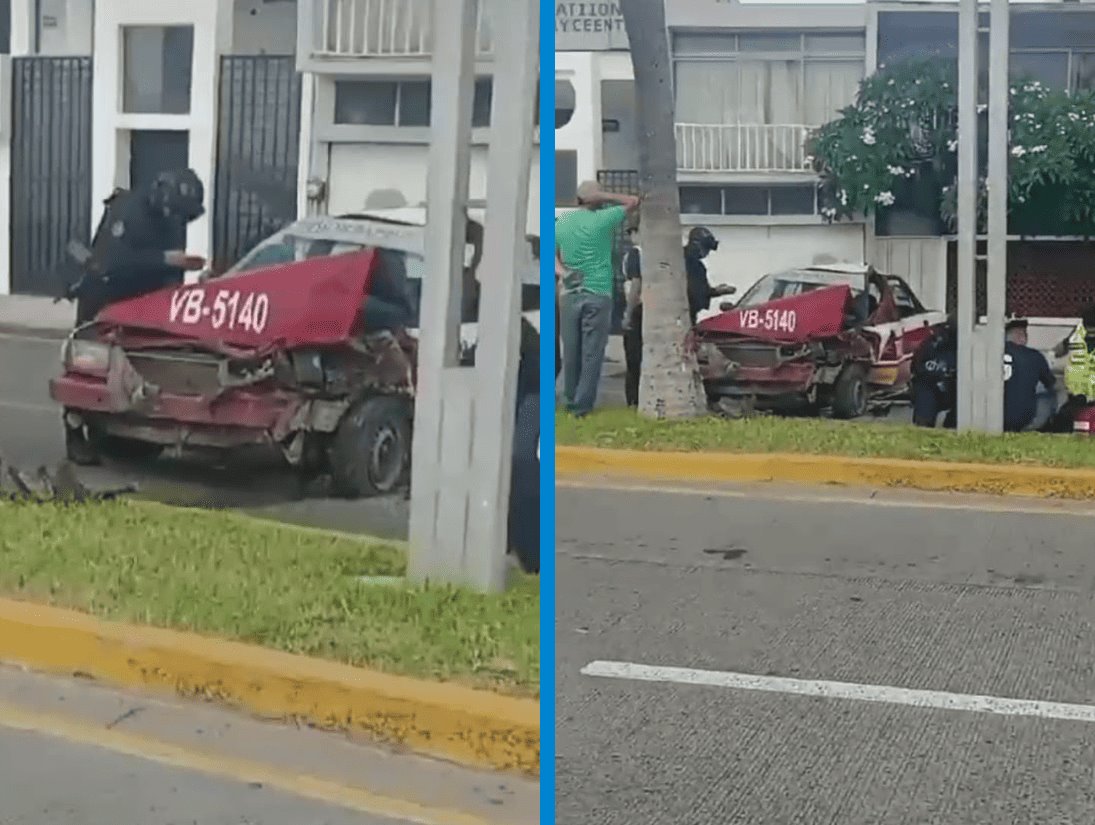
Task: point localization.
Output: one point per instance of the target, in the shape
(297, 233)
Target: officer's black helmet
(179, 193)
(702, 239)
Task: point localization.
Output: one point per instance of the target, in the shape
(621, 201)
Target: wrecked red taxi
(838, 337)
(273, 353)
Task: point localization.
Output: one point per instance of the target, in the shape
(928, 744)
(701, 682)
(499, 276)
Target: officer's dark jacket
(936, 358)
(129, 247)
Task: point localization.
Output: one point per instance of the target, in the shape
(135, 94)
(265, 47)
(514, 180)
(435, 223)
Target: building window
(398, 103)
(750, 200)
(1056, 48)
(564, 103)
(789, 78)
(157, 63)
(566, 178)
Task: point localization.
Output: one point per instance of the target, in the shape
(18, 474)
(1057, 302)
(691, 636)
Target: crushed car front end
(177, 395)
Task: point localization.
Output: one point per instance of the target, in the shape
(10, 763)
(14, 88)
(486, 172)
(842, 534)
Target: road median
(619, 444)
(275, 621)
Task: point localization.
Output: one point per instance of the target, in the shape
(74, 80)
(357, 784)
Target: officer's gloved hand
(178, 258)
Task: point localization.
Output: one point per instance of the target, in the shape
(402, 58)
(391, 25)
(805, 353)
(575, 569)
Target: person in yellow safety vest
(1080, 371)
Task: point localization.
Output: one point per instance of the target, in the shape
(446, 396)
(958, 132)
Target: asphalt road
(30, 437)
(880, 591)
(74, 753)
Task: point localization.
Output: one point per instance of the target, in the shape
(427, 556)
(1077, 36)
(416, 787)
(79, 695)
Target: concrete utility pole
(981, 345)
(463, 438)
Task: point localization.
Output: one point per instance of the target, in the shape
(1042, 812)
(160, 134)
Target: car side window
(903, 299)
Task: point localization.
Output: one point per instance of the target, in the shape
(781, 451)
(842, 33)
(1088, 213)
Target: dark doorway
(152, 152)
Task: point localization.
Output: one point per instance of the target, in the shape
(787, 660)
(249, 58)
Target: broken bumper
(236, 418)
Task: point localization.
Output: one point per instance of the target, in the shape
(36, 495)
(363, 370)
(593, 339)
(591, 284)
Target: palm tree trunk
(670, 386)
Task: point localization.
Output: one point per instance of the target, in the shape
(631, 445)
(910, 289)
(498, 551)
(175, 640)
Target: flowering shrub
(898, 143)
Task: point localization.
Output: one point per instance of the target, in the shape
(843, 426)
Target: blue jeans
(585, 321)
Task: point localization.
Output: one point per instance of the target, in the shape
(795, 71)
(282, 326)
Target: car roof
(839, 268)
(401, 229)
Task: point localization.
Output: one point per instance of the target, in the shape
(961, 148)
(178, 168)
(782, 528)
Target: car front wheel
(370, 453)
(850, 393)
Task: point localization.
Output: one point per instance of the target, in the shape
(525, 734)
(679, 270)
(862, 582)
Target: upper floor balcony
(743, 148)
(395, 29)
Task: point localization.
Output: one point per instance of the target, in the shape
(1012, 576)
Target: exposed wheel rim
(385, 464)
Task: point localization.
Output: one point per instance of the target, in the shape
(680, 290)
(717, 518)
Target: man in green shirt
(583, 268)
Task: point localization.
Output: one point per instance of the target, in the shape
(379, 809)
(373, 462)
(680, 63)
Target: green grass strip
(626, 430)
(287, 588)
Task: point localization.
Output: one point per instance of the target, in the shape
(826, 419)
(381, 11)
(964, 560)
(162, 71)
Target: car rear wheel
(850, 393)
(370, 453)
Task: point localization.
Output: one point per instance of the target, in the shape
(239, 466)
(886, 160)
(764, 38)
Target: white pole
(967, 207)
(993, 341)
(445, 392)
(516, 58)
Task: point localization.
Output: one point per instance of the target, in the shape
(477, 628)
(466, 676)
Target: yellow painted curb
(473, 727)
(994, 479)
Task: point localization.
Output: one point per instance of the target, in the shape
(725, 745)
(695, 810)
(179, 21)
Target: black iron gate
(621, 182)
(258, 137)
(50, 169)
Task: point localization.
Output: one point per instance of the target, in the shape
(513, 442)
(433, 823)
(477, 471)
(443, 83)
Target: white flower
(892, 82)
(884, 198)
(1018, 151)
(843, 197)
(982, 108)
(896, 171)
(868, 137)
(952, 145)
(1034, 150)
(828, 212)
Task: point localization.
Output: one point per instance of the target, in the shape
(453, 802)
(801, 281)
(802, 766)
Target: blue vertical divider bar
(547, 412)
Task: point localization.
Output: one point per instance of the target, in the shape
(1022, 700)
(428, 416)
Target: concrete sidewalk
(35, 314)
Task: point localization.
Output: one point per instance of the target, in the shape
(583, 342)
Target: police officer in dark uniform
(934, 373)
(700, 292)
(1024, 369)
(138, 246)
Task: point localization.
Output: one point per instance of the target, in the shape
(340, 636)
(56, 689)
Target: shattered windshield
(797, 282)
(289, 248)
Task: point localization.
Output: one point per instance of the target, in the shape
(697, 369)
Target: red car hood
(800, 318)
(316, 302)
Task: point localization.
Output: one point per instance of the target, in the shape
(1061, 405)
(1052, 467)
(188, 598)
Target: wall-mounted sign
(589, 26)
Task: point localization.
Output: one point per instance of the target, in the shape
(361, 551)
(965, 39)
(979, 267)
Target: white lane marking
(27, 407)
(1066, 507)
(879, 694)
(43, 338)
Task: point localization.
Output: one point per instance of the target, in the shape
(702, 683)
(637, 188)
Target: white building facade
(367, 105)
(282, 107)
(750, 83)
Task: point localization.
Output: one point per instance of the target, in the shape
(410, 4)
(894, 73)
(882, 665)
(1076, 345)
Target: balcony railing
(732, 147)
(384, 28)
